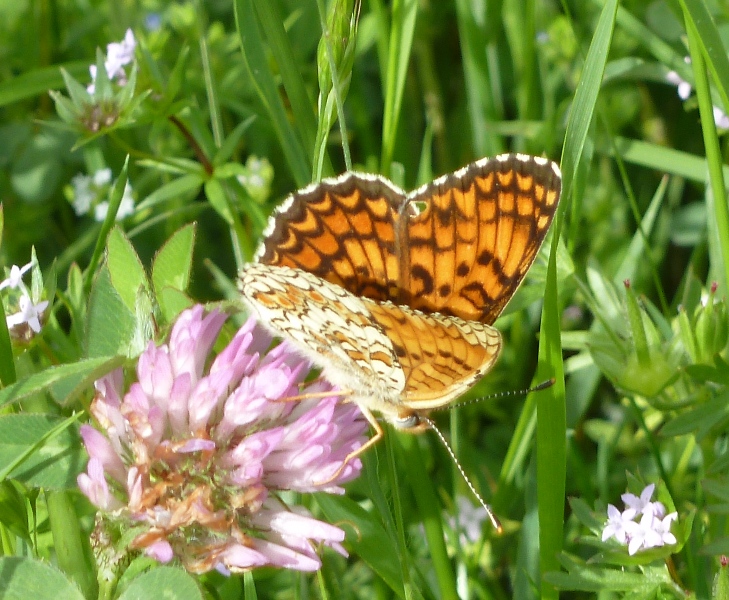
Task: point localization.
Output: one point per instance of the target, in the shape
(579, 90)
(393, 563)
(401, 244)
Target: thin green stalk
(404, 13)
(429, 509)
(390, 442)
(7, 363)
(713, 152)
(336, 89)
(213, 104)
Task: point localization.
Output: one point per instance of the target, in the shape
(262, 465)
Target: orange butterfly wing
(342, 230)
(459, 246)
(478, 233)
(442, 357)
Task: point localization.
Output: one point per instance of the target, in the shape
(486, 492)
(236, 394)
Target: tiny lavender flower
(195, 457)
(118, 54)
(651, 531)
(617, 525)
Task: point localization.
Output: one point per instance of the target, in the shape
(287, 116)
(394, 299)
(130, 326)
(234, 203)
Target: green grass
(640, 370)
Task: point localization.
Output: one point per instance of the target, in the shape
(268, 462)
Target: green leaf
(125, 268)
(216, 196)
(700, 420)
(13, 509)
(78, 93)
(401, 43)
(23, 578)
(48, 461)
(38, 81)
(83, 372)
(368, 539)
(231, 141)
(172, 302)
(172, 264)
(721, 584)
(163, 582)
(185, 186)
(711, 41)
(110, 323)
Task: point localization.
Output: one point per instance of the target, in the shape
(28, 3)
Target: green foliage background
(421, 88)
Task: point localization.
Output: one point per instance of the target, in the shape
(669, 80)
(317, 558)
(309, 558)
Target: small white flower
(653, 529)
(102, 177)
(118, 55)
(29, 313)
(16, 276)
(663, 528)
(720, 118)
(618, 524)
(636, 503)
(100, 210)
(684, 87)
(83, 196)
(640, 535)
(470, 520)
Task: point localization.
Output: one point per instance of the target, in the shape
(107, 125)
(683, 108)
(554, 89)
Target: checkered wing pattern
(392, 358)
(393, 294)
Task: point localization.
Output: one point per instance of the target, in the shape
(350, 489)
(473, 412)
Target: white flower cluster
(684, 91)
(87, 191)
(653, 529)
(257, 179)
(118, 55)
(29, 312)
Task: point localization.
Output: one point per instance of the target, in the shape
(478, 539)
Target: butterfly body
(393, 294)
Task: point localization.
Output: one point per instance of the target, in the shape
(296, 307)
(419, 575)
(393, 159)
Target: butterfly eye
(408, 422)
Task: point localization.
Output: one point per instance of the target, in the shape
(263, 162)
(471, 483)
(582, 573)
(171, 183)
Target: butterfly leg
(311, 395)
(379, 434)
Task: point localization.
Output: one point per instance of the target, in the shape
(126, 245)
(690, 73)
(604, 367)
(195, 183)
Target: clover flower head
(650, 531)
(196, 453)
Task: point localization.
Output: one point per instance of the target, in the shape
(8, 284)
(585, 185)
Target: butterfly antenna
(537, 388)
(494, 521)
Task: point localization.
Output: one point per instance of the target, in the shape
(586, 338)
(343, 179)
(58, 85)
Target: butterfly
(393, 294)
